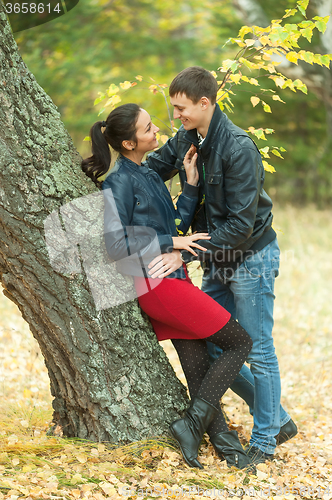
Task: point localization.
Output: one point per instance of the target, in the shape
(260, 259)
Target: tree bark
(110, 379)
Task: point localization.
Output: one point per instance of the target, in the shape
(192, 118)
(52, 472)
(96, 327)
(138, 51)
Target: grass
(32, 464)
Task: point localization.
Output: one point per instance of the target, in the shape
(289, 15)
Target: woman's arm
(121, 238)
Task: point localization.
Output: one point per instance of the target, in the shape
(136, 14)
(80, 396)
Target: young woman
(141, 230)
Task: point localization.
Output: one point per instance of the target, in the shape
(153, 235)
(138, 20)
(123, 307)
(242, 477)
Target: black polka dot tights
(210, 381)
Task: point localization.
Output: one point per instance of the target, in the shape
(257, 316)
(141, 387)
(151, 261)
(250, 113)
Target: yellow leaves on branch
(260, 132)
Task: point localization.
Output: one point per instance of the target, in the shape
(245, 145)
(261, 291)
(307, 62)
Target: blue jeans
(248, 294)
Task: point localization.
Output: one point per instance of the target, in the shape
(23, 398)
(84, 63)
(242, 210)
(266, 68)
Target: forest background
(73, 58)
(101, 42)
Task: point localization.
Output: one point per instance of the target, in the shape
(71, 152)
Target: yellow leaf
(139, 78)
(108, 489)
(81, 458)
(277, 98)
(115, 99)
(27, 393)
(254, 100)
(244, 31)
(264, 40)
(280, 82)
(164, 138)
(125, 85)
(268, 167)
(250, 42)
(292, 57)
(235, 78)
(113, 89)
(253, 81)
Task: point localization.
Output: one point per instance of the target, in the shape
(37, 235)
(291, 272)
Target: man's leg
(253, 289)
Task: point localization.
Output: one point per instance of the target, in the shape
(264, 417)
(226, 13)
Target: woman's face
(145, 133)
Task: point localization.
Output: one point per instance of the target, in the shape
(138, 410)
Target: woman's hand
(187, 242)
(189, 163)
(165, 264)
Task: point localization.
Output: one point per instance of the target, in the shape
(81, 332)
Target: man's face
(191, 115)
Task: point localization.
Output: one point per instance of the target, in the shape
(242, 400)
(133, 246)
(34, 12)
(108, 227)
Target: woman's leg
(208, 383)
(194, 359)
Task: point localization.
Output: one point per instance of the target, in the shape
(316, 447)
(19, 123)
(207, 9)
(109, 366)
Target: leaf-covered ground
(33, 465)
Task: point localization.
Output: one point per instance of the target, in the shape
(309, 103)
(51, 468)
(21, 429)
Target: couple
(223, 199)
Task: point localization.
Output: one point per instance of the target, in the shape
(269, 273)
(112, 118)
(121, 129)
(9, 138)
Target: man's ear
(205, 102)
(129, 145)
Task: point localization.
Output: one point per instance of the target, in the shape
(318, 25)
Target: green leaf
(321, 23)
(308, 57)
(101, 111)
(302, 6)
(269, 130)
(307, 33)
(276, 153)
(326, 60)
(87, 138)
(266, 107)
(178, 222)
(290, 27)
(113, 89)
(300, 86)
(99, 99)
(282, 149)
(265, 151)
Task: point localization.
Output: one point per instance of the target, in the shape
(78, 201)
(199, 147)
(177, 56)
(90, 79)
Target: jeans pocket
(254, 266)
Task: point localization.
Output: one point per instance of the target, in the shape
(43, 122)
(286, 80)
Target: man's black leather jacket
(233, 207)
(140, 218)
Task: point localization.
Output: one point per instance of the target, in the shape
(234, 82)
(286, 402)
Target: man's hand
(165, 264)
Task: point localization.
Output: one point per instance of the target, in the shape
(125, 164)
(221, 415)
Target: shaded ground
(35, 466)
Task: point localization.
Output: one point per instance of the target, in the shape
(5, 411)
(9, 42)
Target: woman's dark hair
(120, 126)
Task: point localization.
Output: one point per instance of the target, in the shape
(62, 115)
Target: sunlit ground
(303, 339)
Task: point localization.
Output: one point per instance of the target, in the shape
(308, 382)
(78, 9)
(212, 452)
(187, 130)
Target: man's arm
(242, 186)
(164, 160)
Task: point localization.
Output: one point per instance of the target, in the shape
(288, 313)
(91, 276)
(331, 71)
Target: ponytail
(120, 126)
(98, 164)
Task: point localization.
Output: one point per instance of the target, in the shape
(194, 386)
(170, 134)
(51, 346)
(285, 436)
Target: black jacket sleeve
(135, 245)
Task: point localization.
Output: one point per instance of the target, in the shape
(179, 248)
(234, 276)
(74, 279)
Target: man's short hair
(195, 82)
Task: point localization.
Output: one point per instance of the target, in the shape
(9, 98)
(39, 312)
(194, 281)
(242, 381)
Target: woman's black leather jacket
(140, 218)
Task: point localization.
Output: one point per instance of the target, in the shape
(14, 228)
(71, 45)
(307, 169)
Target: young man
(242, 257)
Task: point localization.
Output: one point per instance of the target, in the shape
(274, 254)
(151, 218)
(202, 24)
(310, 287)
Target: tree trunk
(110, 379)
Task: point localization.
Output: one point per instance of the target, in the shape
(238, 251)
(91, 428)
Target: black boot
(287, 431)
(188, 431)
(229, 448)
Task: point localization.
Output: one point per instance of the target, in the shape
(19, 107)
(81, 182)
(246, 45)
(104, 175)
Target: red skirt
(178, 309)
